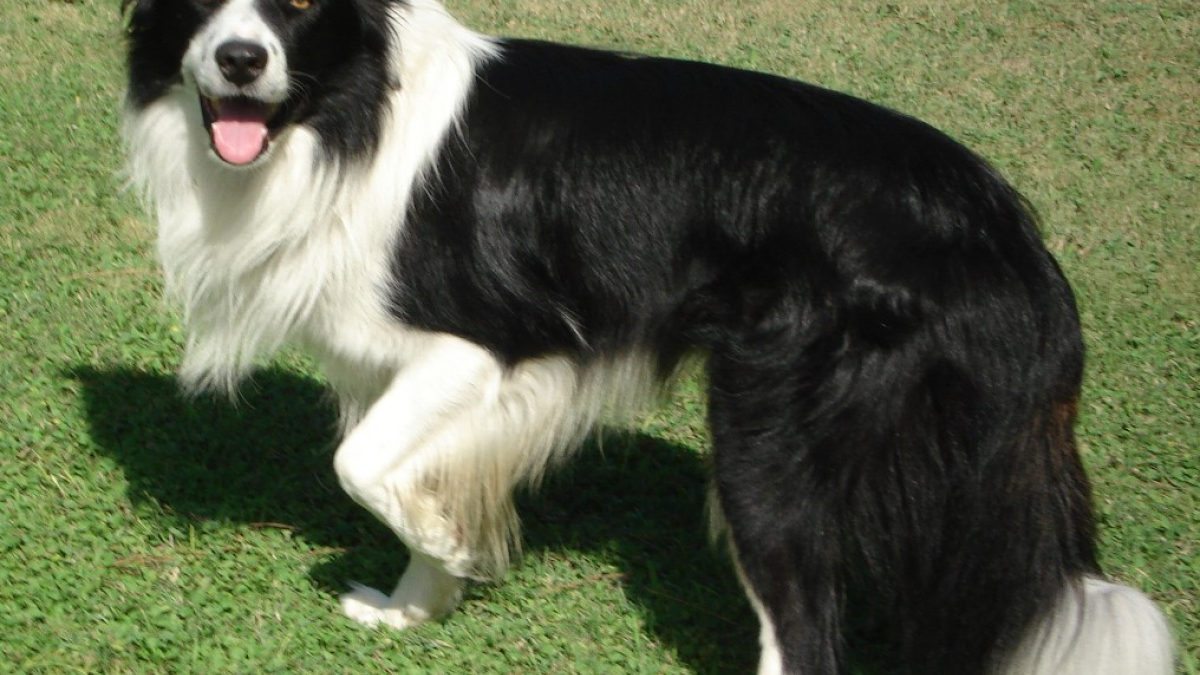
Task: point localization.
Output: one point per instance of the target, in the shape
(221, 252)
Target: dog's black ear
(137, 14)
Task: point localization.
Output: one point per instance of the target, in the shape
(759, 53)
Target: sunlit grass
(141, 533)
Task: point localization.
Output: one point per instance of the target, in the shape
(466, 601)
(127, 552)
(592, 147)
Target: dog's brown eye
(300, 4)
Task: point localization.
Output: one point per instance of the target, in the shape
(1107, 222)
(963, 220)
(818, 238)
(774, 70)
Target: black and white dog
(494, 245)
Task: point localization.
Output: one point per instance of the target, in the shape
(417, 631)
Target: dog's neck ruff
(297, 244)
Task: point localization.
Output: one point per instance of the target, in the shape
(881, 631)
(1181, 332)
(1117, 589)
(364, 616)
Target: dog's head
(256, 67)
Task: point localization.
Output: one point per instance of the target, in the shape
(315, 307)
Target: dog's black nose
(241, 62)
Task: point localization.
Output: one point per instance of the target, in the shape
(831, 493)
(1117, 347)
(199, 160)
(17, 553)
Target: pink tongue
(239, 130)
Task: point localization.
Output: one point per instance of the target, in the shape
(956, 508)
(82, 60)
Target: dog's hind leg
(781, 520)
(919, 500)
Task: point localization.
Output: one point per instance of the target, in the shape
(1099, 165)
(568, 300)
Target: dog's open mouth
(240, 127)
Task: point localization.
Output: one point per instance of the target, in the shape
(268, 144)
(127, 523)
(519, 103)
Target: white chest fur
(296, 248)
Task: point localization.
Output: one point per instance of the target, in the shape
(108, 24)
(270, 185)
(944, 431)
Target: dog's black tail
(895, 456)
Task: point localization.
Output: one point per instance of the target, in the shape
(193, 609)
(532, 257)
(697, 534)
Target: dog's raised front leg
(389, 463)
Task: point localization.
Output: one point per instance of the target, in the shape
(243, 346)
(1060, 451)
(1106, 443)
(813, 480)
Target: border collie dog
(492, 246)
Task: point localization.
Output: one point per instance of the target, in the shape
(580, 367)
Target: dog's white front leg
(383, 465)
(426, 591)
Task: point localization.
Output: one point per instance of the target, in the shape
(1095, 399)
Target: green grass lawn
(140, 533)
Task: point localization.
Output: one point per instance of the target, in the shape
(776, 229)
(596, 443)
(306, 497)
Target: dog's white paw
(372, 608)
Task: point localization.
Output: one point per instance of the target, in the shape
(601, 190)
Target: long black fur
(894, 356)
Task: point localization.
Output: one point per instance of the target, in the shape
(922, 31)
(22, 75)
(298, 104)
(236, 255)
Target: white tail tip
(1099, 628)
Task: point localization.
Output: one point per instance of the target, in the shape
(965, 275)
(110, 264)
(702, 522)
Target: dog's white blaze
(236, 20)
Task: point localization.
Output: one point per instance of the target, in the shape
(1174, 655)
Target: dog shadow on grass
(268, 460)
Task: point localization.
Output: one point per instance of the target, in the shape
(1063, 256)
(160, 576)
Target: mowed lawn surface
(142, 533)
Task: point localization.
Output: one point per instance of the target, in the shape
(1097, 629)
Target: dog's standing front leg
(385, 463)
